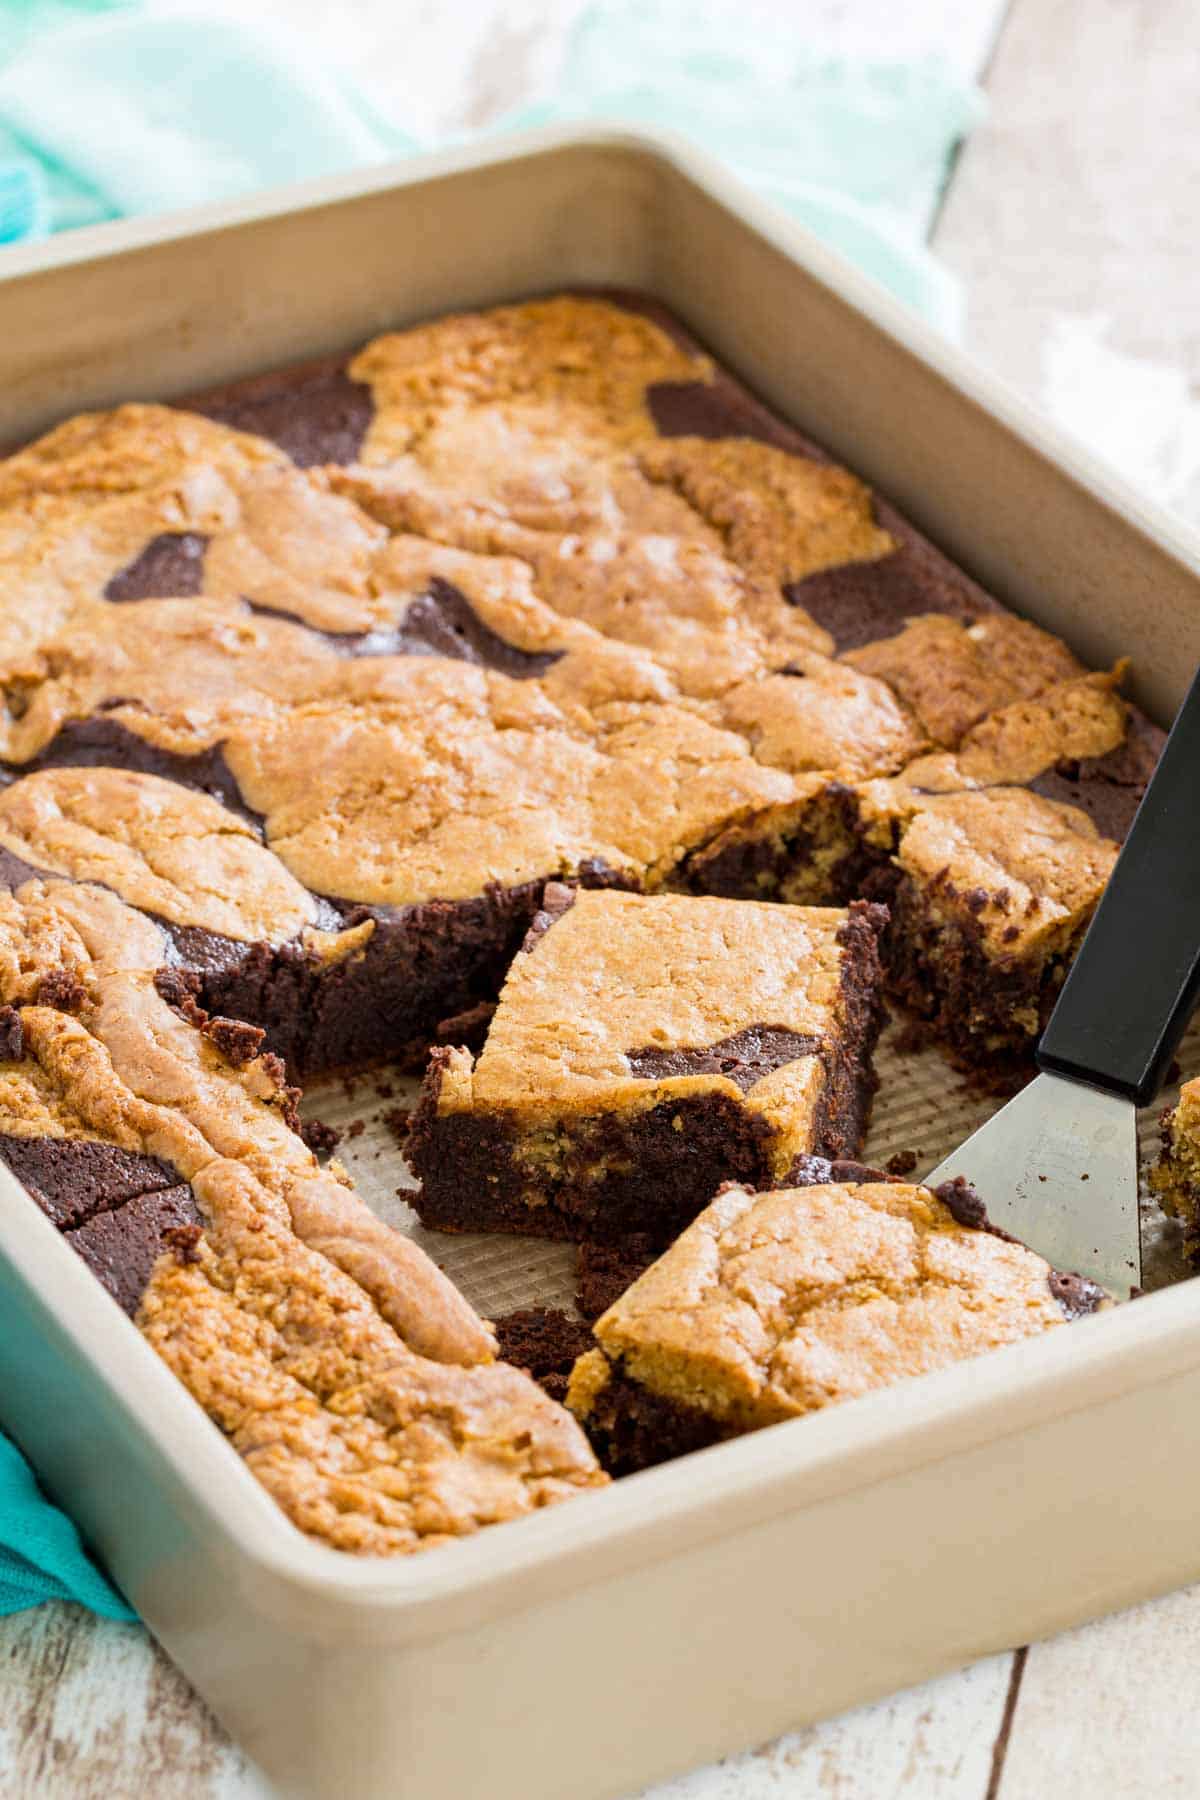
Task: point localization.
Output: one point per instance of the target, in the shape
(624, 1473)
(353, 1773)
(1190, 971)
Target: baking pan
(709, 1604)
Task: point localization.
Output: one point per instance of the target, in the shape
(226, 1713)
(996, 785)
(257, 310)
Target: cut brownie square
(771, 1306)
(645, 1049)
(1176, 1176)
(995, 890)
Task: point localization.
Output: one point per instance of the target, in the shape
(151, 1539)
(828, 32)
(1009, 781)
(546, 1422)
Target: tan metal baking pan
(709, 1604)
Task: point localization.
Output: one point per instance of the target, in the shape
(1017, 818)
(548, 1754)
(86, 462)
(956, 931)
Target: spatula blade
(1058, 1168)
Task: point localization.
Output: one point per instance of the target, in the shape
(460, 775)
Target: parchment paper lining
(922, 1105)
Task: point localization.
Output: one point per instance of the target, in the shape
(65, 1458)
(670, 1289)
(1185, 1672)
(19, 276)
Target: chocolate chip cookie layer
(530, 593)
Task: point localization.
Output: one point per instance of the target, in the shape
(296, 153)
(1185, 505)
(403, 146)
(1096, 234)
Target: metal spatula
(1058, 1165)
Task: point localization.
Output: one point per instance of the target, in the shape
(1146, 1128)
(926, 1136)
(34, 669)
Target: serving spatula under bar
(1058, 1166)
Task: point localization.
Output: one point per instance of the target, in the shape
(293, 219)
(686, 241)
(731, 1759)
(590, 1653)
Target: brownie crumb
(62, 990)
(385, 1090)
(902, 1163)
(356, 1127)
(397, 1120)
(184, 1241)
(604, 1271)
(238, 1042)
(1075, 1293)
(180, 988)
(322, 1139)
(12, 1040)
(544, 1341)
(468, 1028)
(287, 1096)
(818, 1171)
(963, 1202)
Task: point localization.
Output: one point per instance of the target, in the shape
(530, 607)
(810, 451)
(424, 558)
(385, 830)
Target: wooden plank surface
(1072, 220)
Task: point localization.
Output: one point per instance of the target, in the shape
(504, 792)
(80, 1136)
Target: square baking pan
(711, 1603)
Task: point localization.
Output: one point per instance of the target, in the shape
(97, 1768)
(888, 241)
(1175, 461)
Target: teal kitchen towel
(857, 149)
(109, 109)
(132, 111)
(41, 1557)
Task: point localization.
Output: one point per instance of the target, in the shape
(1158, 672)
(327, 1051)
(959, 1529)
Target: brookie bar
(771, 1306)
(645, 1049)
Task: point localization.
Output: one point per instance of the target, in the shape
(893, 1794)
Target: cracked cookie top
(774, 1305)
(625, 1002)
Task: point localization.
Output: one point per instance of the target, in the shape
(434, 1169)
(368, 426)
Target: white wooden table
(1071, 216)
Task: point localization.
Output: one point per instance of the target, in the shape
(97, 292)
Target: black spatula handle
(1136, 979)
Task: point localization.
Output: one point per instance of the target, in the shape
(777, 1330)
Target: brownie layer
(420, 965)
(631, 1428)
(122, 1247)
(315, 412)
(101, 743)
(118, 1210)
(544, 1341)
(604, 1271)
(616, 1174)
(73, 1179)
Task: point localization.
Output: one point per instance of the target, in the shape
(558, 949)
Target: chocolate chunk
(315, 413)
(744, 1058)
(122, 1246)
(902, 1163)
(72, 1179)
(12, 1043)
(171, 567)
(61, 989)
